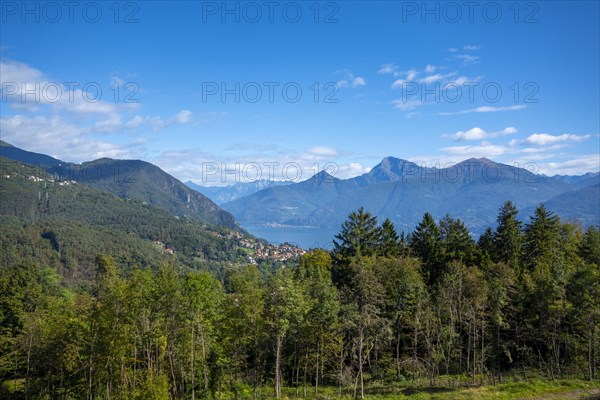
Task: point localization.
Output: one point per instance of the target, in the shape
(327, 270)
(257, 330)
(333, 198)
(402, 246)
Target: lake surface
(305, 238)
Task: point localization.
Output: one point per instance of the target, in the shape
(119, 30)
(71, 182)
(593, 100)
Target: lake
(305, 238)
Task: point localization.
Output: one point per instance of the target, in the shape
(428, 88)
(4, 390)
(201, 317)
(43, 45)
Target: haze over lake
(306, 238)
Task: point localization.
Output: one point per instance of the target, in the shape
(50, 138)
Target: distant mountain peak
(323, 174)
(322, 177)
(390, 169)
(481, 160)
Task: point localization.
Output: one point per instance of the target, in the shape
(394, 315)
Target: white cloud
(16, 72)
(346, 171)
(575, 166)
(407, 104)
(468, 59)
(410, 75)
(322, 151)
(253, 161)
(358, 81)
(452, 49)
(477, 133)
(398, 83)
(84, 108)
(387, 69)
(183, 117)
(134, 122)
(430, 68)
(156, 123)
(471, 134)
(351, 81)
(486, 109)
(436, 77)
(485, 149)
(471, 47)
(55, 136)
(544, 139)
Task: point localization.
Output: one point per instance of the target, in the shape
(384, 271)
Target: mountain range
(130, 179)
(472, 190)
(225, 194)
(403, 191)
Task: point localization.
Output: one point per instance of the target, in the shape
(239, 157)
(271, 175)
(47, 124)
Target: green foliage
(358, 237)
(508, 237)
(91, 308)
(65, 225)
(425, 244)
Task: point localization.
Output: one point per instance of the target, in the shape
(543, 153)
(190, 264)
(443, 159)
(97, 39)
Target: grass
(537, 388)
(533, 389)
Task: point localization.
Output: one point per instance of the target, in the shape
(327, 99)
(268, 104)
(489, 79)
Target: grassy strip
(533, 389)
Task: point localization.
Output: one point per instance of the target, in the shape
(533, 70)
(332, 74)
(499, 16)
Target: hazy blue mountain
(224, 194)
(131, 179)
(472, 190)
(580, 181)
(579, 206)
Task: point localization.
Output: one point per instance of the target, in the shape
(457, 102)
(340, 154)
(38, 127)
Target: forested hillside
(132, 180)
(64, 224)
(379, 309)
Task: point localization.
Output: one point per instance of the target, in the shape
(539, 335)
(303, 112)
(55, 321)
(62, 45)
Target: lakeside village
(257, 250)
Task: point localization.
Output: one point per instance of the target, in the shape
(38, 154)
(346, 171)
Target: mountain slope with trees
(64, 224)
(130, 179)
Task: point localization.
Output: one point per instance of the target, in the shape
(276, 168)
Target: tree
(507, 238)
(541, 237)
(584, 293)
(455, 241)
(388, 245)
(286, 309)
(425, 244)
(500, 281)
(204, 298)
(590, 246)
(320, 324)
(244, 325)
(404, 284)
(358, 237)
(363, 298)
(486, 242)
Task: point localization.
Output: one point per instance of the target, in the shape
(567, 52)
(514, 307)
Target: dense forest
(64, 225)
(381, 307)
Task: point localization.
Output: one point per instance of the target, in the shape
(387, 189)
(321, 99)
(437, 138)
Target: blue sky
(387, 75)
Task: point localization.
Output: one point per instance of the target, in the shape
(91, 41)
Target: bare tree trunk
(204, 369)
(305, 372)
(360, 362)
(172, 369)
(296, 370)
(277, 365)
(28, 365)
(193, 366)
(481, 360)
(468, 353)
(398, 327)
(341, 365)
(90, 371)
(317, 369)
